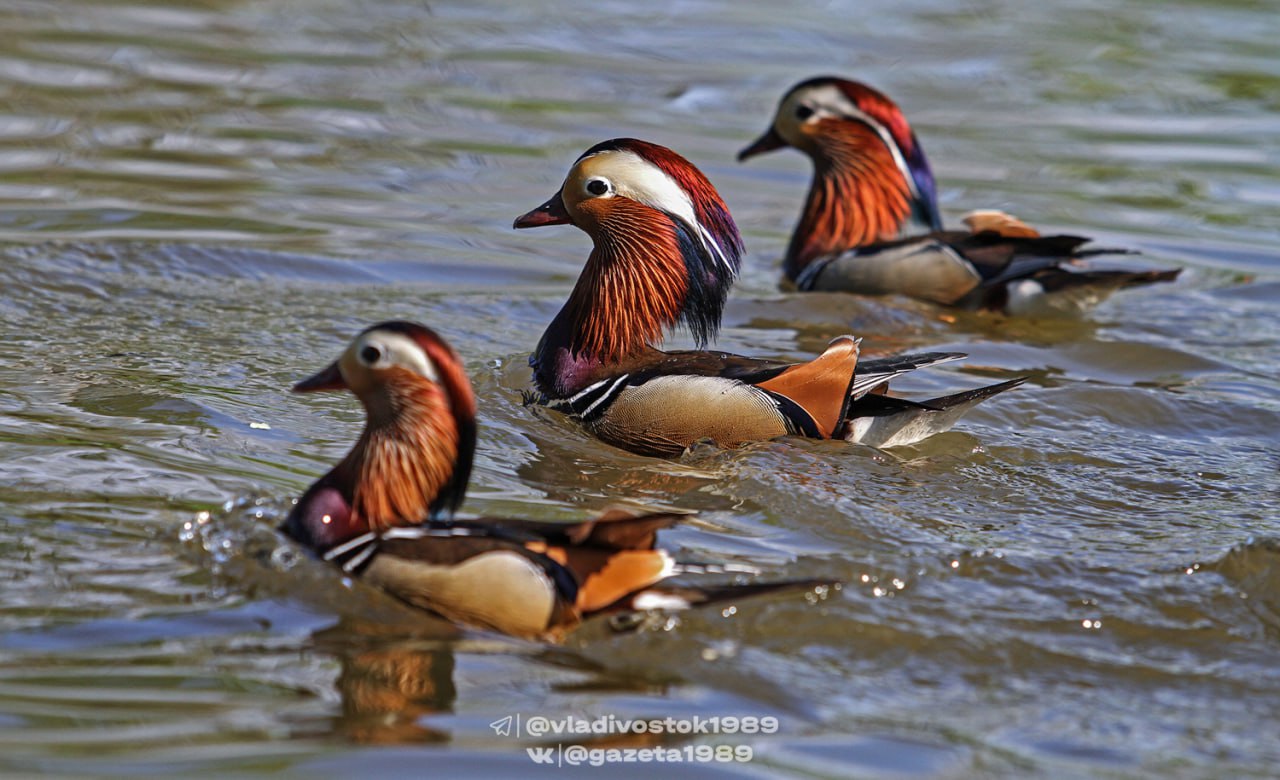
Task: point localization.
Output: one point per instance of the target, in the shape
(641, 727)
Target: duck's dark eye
(597, 186)
(370, 354)
(803, 112)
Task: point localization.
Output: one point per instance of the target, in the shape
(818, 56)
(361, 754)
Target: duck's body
(871, 223)
(520, 577)
(667, 251)
(385, 512)
(661, 404)
(974, 270)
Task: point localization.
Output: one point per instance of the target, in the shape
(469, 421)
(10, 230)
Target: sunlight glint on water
(199, 205)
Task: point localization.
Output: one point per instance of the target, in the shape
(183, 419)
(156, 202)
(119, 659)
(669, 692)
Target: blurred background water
(200, 203)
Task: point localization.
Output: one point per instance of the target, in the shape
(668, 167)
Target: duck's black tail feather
(631, 612)
(873, 373)
(884, 421)
(1061, 279)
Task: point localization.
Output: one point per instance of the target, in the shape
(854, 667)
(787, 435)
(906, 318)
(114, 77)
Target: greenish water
(200, 203)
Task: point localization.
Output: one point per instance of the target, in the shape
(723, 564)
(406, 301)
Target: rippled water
(200, 203)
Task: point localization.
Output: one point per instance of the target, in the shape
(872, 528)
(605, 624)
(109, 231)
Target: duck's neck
(633, 287)
(858, 196)
(403, 466)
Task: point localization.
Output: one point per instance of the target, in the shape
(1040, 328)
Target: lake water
(200, 204)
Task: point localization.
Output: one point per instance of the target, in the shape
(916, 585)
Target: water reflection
(391, 684)
(199, 200)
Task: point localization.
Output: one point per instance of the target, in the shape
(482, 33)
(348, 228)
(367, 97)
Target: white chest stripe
(587, 391)
(359, 558)
(349, 545)
(607, 395)
(421, 532)
(369, 541)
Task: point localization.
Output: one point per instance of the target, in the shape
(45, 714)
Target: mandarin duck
(385, 513)
(665, 252)
(871, 223)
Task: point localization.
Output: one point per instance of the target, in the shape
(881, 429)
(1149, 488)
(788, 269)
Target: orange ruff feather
(404, 464)
(858, 198)
(634, 283)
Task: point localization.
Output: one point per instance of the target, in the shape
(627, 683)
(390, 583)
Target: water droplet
(284, 558)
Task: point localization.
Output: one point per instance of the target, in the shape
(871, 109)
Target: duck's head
(845, 125)
(656, 220)
(413, 460)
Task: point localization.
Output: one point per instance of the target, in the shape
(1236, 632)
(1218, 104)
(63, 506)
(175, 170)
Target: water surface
(199, 204)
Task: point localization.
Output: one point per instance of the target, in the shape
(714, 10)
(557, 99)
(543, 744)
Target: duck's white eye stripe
(398, 349)
(646, 183)
(642, 181)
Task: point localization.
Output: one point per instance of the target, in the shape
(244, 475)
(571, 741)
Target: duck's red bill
(328, 378)
(765, 143)
(552, 212)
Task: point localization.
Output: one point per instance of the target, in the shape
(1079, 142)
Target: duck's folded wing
(614, 529)
(949, 267)
(727, 365)
(1000, 259)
